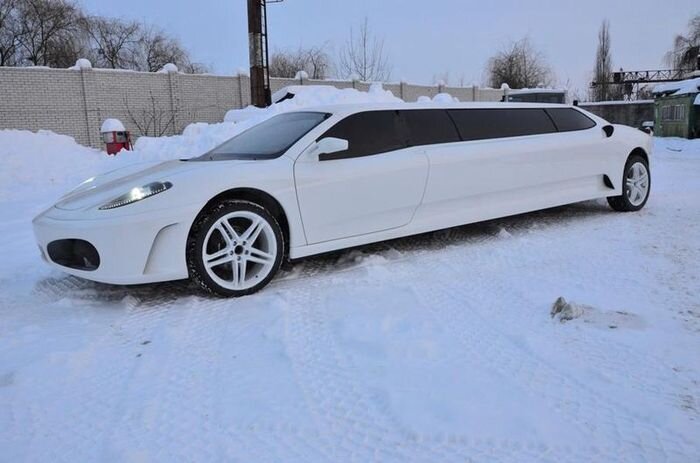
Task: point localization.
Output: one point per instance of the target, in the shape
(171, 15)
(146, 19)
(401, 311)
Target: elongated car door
(508, 162)
(374, 185)
(587, 151)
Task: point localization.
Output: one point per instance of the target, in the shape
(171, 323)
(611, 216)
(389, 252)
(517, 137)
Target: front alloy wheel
(235, 249)
(636, 186)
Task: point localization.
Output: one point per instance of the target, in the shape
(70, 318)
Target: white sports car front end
(121, 228)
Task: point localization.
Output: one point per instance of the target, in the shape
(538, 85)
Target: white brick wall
(76, 102)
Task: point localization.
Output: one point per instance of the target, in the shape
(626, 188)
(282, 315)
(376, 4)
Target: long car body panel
(339, 203)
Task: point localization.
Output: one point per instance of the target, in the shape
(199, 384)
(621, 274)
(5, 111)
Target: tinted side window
(481, 124)
(568, 119)
(367, 133)
(429, 127)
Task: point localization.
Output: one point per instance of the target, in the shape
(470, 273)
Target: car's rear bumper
(142, 248)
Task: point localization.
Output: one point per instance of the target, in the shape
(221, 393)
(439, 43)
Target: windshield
(267, 140)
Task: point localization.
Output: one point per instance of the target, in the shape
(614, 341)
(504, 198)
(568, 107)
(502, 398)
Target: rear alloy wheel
(636, 186)
(235, 249)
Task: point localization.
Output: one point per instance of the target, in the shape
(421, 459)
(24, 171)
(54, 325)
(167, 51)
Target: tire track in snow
(77, 425)
(349, 427)
(487, 345)
(352, 426)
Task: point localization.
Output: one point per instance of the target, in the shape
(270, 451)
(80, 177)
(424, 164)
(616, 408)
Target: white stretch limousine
(327, 178)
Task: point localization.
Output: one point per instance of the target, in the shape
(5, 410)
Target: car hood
(103, 188)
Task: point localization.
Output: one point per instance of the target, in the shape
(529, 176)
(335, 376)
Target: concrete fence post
(87, 78)
(240, 90)
(174, 101)
(401, 90)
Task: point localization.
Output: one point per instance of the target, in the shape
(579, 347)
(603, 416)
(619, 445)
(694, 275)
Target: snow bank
(48, 162)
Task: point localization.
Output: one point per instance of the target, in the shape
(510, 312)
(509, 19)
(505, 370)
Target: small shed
(677, 109)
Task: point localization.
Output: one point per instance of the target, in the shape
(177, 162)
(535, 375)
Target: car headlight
(137, 194)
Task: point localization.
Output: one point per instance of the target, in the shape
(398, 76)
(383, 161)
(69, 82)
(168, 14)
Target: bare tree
(686, 48)
(9, 32)
(314, 61)
(153, 121)
(56, 33)
(520, 66)
(47, 31)
(114, 43)
(363, 56)
(194, 68)
(284, 64)
(156, 49)
(318, 62)
(602, 74)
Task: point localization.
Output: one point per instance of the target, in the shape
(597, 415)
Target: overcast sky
(427, 38)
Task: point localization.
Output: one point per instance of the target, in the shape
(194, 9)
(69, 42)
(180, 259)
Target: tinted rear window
(367, 133)
(568, 120)
(429, 127)
(482, 124)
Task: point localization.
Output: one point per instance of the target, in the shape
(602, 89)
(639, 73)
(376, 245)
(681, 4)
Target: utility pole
(260, 93)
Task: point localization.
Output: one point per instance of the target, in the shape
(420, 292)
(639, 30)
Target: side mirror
(330, 145)
(609, 130)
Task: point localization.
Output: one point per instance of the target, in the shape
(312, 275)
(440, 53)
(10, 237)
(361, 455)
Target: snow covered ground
(438, 347)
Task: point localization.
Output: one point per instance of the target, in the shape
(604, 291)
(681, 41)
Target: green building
(677, 109)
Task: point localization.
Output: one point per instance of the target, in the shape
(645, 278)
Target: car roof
(358, 107)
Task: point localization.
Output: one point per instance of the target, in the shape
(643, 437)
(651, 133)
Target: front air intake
(74, 253)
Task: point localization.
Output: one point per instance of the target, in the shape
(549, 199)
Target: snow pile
(445, 98)
(112, 125)
(169, 67)
(320, 95)
(48, 162)
(82, 63)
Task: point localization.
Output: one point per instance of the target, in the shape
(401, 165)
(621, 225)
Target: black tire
(623, 203)
(204, 222)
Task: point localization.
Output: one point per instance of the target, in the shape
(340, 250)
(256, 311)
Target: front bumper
(133, 249)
